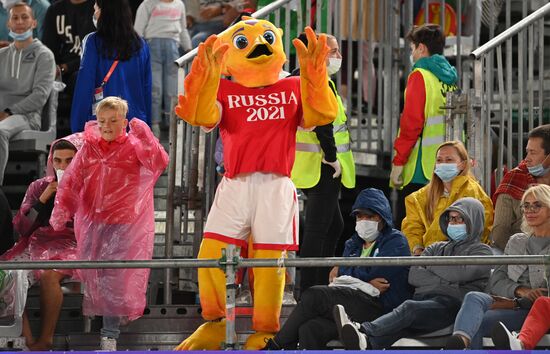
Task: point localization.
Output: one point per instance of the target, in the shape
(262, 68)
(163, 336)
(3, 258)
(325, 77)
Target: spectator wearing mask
(38, 7)
(115, 62)
(26, 79)
(534, 169)
(439, 291)
(451, 181)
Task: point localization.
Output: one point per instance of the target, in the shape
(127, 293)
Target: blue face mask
(446, 171)
(538, 170)
(457, 232)
(21, 36)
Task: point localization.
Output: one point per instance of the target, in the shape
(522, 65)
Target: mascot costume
(258, 115)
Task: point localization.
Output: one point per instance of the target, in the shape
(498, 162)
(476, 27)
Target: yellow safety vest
(433, 133)
(306, 171)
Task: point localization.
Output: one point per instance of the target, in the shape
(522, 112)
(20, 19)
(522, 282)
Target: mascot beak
(261, 48)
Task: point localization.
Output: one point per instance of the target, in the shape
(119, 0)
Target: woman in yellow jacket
(451, 181)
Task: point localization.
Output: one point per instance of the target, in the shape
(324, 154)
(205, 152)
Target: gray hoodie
(456, 280)
(26, 79)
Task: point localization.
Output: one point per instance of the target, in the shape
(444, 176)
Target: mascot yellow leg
(269, 286)
(212, 295)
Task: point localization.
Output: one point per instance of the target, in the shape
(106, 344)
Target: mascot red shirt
(258, 115)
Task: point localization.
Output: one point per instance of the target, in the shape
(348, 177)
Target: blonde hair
(541, 192)
(115, 103)
(435, 188)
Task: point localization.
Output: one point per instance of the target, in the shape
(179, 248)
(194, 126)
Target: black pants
(323, 226)
(6, 227)
(311, 323)
(400, 213)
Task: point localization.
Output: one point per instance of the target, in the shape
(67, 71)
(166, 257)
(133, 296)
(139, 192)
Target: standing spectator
(422, 124)
(451, 181)
(38, 7)
(67, 23)
(536, 325)
(324, 162)
(366, 292)
(115, 62)
(26, 79)
(39, 241)
(534, 169)
(512, 288)
(439, 290)
(108, 189)
(163, 24)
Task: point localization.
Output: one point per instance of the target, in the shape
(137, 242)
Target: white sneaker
(341, 318)
(352, 338)
(108, 344)
(288, 298)
(244, 298)
(504, 339)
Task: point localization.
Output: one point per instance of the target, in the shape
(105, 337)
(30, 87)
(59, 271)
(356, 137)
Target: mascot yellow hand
(198, 104)
(318, 101)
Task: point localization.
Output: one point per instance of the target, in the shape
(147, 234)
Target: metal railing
(508, 94)
(230, 262)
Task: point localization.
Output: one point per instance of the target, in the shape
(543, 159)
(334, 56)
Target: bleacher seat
(39, 141)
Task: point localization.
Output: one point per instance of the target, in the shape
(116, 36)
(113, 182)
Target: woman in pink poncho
(109, 190)
(39, 241)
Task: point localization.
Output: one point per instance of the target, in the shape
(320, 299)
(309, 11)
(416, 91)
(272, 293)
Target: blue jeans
(423, 314)
(165, 75)
(202, 30)
(110, 327)
(475, 320)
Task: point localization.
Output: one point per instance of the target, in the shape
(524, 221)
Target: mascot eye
(269, 36)
(240, 42)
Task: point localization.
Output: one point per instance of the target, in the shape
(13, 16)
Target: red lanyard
(109, 73)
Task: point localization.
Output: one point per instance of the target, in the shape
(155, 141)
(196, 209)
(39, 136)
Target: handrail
(266, 10)
(285, 262)
(510, 32)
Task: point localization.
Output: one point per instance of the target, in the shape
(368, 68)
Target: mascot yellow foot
(257, 340)
(208, 336)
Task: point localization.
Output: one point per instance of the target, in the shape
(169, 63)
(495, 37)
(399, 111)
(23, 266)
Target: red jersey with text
(258, 126)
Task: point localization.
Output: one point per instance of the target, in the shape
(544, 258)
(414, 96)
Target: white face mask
(59, 174)
(334, 65)
(367, 230)
(6, 4)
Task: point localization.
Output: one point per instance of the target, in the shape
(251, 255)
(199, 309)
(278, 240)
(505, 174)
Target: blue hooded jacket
(390, 243)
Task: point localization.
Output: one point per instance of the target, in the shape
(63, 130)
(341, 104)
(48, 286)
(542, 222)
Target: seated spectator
(38, 7)
(451, 181)
(439, 289)
(6, 227)
(163, 24)
(26, 79)
(536, 325)
(109, 190)
(512, 288)
(507, 198)
(39, 241)
(115, 62)
(67, 23)
(370, 291)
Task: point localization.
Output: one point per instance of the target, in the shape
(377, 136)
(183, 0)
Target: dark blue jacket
(390, 243)
(131, 80)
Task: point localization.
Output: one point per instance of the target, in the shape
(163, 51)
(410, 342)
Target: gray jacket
(26, 79)
(506, 278)
(456, 280)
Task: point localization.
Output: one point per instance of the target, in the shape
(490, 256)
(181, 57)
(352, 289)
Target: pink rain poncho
(109, 190)
(38, 239)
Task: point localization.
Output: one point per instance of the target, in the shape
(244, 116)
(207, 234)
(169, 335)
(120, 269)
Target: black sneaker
(352, 338)
(504, 339)
(455, 342)
(271, 345)
(341, 319)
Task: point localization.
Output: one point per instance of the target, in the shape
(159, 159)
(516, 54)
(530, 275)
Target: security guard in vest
(422, 124)
(323, 163)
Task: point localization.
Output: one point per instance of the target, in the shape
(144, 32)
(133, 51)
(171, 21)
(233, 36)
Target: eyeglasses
(455, 219)
(531, 207)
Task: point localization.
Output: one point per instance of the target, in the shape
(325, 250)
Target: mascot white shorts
(263, 205)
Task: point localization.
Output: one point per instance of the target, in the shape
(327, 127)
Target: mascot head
(255, 56)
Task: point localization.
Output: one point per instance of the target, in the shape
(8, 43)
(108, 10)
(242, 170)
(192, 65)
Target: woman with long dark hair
(115, 62)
